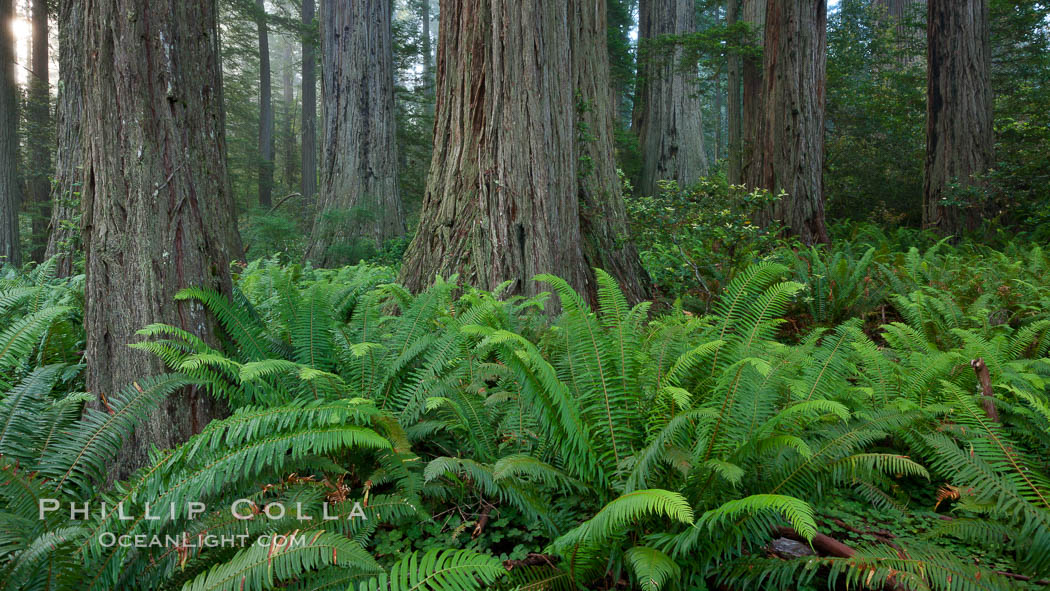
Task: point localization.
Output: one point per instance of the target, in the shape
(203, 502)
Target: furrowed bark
(667, 114)
(64, 231)
(158, 210)
(959, 135)
(359, 196)
(266, 140)
(501, 202)
(309, 93)
(38, 144)
(10, 187)
(790, 149)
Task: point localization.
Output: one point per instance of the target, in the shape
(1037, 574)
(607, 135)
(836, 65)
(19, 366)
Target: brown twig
(988, 400)
(483, 519)
(533, 559)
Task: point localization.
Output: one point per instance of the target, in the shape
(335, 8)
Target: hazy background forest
(524, 294)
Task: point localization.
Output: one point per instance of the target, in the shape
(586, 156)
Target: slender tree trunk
(718, 116)
(64, 235)
(309, 94)
(667, 114)
(359, 196)
(753, 100)
(603, 215)
(158, 213)
(10, 188)
(266, 142)
(501, 202)
(38, 145)
(428, 54)
(291, 155)
(959, 137)
(734, 104)
(791, 146)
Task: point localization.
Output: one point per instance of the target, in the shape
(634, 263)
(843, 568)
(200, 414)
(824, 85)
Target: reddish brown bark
(959, 137)
(518, 105)
(789, 153)
(10, 187)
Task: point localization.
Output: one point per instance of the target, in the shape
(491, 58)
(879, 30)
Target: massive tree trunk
(359, 196)
(309, 93)
(158, 211)
(64, 235)
(791, 144)
(959, 136)
(38, 144)
(667, 111)
(265, 109)
(753, 100)
(603, 216)
(501, 199)
(10, 189)
(523, 151)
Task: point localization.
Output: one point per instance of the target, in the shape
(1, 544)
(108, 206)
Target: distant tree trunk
(603, 216)
(64, 235)
(791, 146)
(959, 137)
(898, 13)
(718, 116)
(734, 104)
(10, 189)
(38, 144)
(309, 94)
(359, 196)
(753, 100)
(158, 210)
(667, 113)
(265, 110)
(428, 54)
(288, 140)
(501, 201)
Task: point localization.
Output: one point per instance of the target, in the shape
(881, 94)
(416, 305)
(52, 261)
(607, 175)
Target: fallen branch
(829, 546)
(1018, 577)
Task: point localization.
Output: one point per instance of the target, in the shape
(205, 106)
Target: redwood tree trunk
(959, 137)
(64, 235)
(501, 201)
(309, 147)
(38, 145)
(158, 211)
(753, 100)
(667, 112)
(791, 145)
(359, 196)
(603, 216)
(265, 110)
(734, 104)
(428, 53)
(899, 13)
(288, 132)
(10, 189)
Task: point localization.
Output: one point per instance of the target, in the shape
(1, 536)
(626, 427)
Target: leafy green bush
(693, 240)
